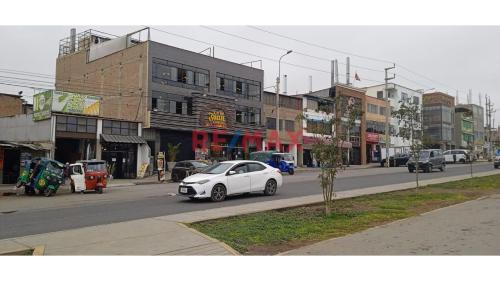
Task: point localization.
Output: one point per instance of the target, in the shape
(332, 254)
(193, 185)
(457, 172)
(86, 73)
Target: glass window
(218, 168)
(255, 167)
(271, 123)
(380, 94)
(382, 110)
(241, 169)
(289, 125)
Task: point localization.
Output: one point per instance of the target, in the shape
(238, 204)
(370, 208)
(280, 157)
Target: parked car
(186, 168)
(456, 156)
(396, 160)
(496, 162)
(429, 159)
(230, 178)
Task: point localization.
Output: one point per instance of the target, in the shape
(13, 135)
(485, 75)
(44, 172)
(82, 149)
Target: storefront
(12, 158)
(75, 138)
(372, 147)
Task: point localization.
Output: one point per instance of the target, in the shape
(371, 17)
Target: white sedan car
(232, 177)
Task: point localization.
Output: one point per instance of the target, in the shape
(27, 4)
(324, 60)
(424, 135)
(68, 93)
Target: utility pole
(388, 114)
(489, 107)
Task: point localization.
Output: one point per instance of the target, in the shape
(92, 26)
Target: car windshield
(424, 154)
(96, 167)
(199, 164)
(217, 168)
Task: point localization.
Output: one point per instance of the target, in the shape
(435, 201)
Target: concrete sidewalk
(152, 236)
(470, 228)
(166, 235)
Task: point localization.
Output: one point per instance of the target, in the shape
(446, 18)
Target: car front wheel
(218, 193)
(271, 187)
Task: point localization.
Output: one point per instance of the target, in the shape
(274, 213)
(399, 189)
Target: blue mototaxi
(283, 161)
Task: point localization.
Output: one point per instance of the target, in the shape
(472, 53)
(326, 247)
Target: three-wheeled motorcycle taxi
(42, 175)
(283, 161)
(88, 175)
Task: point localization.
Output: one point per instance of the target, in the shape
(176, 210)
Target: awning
(32, 146)
(122, 139)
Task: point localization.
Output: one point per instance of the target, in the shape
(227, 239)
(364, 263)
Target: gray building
(439, 120)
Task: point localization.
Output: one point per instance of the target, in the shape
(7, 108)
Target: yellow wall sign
(217, 119)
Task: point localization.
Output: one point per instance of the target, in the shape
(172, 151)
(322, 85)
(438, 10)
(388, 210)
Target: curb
(224, 245)
(37, 251)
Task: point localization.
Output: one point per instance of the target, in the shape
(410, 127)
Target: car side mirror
(230, 173)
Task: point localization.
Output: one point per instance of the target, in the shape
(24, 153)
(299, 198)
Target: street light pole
(278, 100)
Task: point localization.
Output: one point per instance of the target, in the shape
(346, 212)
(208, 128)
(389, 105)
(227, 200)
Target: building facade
(469, 127)
(439, 120)
(397, 94)
(289, 139)
(211, 107)
(375, 127)
(319, 108)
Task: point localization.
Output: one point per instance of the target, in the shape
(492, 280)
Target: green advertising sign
(42, 105)
(57, 101)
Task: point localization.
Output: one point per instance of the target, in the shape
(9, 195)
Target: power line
(284, 49)
(352, 54)
(319, 46)
(249, 54)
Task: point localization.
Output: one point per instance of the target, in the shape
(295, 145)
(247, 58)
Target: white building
(397, 94)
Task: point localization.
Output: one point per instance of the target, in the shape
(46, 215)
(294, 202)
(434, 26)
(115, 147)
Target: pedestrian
(66, 172)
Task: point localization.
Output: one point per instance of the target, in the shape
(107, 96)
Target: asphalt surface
(27, 222)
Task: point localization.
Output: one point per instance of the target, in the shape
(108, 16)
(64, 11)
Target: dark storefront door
(122, 159)
(11, 166)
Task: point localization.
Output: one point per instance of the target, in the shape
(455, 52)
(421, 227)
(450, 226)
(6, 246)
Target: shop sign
(42, 105)
(216, 119)
(372, 138)
(64, 102)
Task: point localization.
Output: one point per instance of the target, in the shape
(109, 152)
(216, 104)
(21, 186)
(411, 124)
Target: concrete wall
(22, 128)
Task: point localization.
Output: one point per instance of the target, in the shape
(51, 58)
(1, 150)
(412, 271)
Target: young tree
(409, 118)
(329, 139)
(173, 150)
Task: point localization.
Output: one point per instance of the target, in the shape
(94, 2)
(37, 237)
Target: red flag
(356, 77)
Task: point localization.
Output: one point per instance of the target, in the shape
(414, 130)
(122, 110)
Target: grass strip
(275, 231)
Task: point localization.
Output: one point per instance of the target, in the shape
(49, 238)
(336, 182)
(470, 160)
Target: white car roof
(241, 161)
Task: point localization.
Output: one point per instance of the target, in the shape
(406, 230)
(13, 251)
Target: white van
(456, 156)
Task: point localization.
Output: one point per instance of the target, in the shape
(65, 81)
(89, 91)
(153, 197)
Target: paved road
(26, 221)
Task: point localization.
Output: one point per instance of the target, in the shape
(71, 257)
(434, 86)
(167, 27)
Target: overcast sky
(450, 58)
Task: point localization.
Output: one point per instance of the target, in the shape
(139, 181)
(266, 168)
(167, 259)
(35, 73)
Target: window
(255, 167)
(382, 110)
(380, 94)
(372, 108)
(248, 115)
(312, 104)
(175, 74)
(241, 169)
(240, 87)
(318, 127)
(170, 103)
(271, 123)
(76, 124)
(112, 127)
(416, 100)
(154, 104)
(404, 97)
(289, 126)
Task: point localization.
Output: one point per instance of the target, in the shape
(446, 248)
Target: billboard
(64, 102)
(42, 105)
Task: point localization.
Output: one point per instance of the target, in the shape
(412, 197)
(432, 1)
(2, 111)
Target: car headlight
(202, 181)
